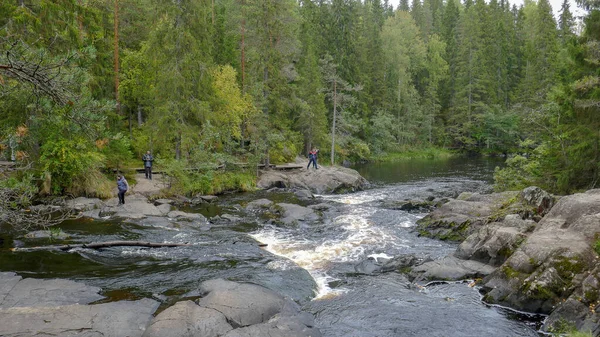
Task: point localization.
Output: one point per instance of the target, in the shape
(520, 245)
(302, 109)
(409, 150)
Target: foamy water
(351, 234)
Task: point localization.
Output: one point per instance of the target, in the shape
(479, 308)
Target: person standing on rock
(148, 159)
(312, 158)
(123, 186)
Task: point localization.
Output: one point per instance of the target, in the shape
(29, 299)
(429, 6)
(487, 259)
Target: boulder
(259, 204)
(304, 194)
(116, 319)
(255, 311)
(324, 180)
(164, 208)
(493, 243)
(243, 304)
(292, 213)
(457, 219)
(552, 264)
(163, 201)
(191, 216)
(450, 268)
(187, 319)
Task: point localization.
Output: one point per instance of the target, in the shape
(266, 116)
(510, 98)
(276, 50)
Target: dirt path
(146, 186)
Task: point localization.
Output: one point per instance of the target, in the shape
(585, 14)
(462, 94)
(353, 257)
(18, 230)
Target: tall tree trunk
(116, 55)
(333, 123)
(243, 46)
(139, 115)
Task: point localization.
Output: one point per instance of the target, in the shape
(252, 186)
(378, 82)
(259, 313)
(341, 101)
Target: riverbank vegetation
(88, 86)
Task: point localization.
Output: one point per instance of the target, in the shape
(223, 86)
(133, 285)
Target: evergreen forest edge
(88, 86)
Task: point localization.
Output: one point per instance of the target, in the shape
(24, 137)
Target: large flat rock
(117, 319)
(29, 292)
(187, 319)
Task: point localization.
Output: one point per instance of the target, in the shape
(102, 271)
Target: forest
(88, 86)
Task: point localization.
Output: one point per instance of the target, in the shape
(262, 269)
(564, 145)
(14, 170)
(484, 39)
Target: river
(313, 263)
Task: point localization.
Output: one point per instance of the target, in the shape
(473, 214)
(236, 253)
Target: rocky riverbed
(528, 250)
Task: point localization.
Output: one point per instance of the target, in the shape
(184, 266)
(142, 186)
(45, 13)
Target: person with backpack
(123, 186)
(312, 158)
(148, 159)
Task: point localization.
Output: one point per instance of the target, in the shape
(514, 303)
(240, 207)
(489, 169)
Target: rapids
(312, 263)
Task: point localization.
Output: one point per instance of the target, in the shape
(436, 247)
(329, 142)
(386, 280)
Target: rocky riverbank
(533, 251)
(65, 308)
(220, 308)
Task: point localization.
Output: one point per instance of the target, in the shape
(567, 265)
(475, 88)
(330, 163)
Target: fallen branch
(97, 245)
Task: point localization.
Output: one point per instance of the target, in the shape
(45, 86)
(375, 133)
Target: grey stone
(304, 194)
(163, 201)
(31, 292)
(187, 319)
(259, 204)
(451, 268)
(192, 216)
(117, 319)
(292, 213)
(84, 204)
(243, 304)
(326, 179)
(208, 198)
(164, 208)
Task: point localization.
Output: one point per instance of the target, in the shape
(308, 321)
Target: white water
(348, 238)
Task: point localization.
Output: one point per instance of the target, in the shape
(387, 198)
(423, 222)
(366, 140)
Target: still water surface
(313, 263)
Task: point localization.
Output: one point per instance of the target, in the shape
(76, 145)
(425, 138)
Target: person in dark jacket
(312, 158)
(148, 159)
(123, 186)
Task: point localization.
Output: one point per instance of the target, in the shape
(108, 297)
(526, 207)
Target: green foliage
(520, 172)
(66, 159)
(597, 246)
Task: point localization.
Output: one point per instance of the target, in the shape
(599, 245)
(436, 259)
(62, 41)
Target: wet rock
(208, 198)
(404, 263)
(230, 218)
(292, 213)
(191, 216)
(322, 207)
(324, 180)
(369, 266)
(31, 292)
(411, 206)
(304, 194)
(115, 319)
(450, 268)
(188, 319)
(259, 204)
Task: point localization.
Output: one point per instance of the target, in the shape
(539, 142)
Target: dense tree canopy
(204, 81)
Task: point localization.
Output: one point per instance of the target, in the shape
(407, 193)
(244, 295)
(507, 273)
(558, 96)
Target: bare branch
(97, 245)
